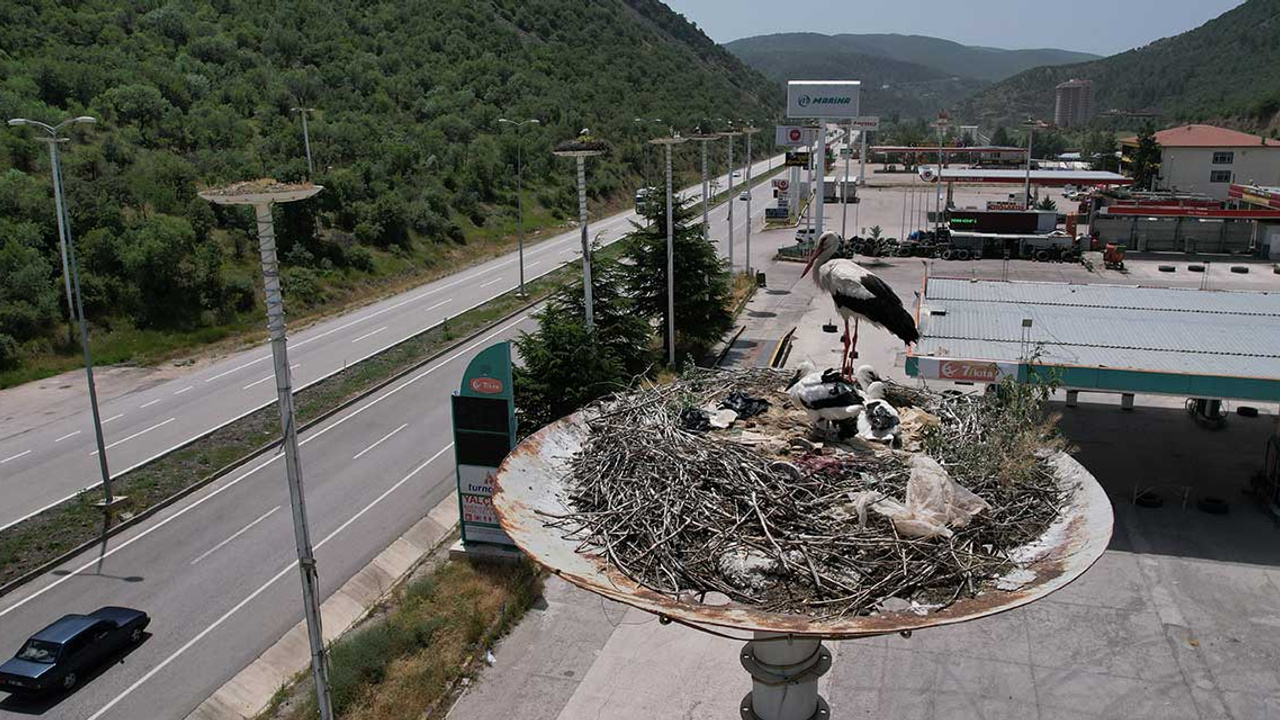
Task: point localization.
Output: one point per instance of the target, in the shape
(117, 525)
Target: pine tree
(563, 366)
(1145, 162)
(702, 287)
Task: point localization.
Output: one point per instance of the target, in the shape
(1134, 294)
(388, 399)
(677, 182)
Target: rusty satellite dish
(532, 480)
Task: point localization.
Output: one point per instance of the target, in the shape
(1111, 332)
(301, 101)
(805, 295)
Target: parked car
(806, 235)
(69, 649)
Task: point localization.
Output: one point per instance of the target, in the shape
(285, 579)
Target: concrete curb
(247, 694)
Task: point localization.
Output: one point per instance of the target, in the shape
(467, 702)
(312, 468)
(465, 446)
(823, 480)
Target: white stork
(878, 420)
(859, 295)
(824, 396)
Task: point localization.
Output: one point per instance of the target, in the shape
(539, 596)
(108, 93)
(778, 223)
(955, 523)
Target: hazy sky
(1098, 26)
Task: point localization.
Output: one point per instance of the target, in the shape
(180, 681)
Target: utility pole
(844, 185)
(729, 135)
(520, 188)
(749, 130)
(666, 143)
(306, 137)
(71, 279)
(262, 195)
(941, 124)
(702, 139)
(581, 149)
(1031, 126)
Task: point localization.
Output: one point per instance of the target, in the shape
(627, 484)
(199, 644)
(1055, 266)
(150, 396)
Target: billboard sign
(866, 122)
(834, 99)
(971, 371)
(794, 136)
(484, 431)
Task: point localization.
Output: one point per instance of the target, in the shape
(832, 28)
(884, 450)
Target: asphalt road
(57, 459)
(217, 572)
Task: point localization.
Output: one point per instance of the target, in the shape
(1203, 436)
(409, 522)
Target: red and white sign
(866, 122)
(793, 136)
(782, 185)
(486, 385)
(968, 371)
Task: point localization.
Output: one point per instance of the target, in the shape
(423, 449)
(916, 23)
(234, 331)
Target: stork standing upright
(859, 295)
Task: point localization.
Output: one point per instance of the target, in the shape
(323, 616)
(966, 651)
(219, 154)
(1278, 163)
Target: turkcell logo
(806, 101)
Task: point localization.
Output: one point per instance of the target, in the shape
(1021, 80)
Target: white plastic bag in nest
(935, 502)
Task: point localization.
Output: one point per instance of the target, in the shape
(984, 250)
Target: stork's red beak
(808, 266)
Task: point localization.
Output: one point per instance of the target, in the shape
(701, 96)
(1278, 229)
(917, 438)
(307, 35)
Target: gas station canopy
(1046, 178)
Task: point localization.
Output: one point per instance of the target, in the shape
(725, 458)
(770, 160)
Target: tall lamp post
(71, 277)
(1030, 124)
(642, 122)
(667, 143)
(262, 194)
(941, 124)
(306, 137)
(518, 125)
(729, 135)
(580, 149)
(749, 130)
(702, 139)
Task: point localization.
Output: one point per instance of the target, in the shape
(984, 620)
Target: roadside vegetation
(420, 177)
(406, 661)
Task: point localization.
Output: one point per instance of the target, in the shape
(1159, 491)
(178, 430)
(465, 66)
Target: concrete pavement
(47, 453)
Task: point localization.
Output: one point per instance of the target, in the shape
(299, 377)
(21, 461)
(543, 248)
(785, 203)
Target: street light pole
(520, 188)
(580, 150)
(666, 143)
(844, 185)
(729, 135)
(746, 177)
(306, 138)
(1030, 125)
(703, 139)
(941, 124)
(71, 279)
(262, 195)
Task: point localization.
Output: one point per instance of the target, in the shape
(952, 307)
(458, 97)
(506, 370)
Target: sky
(1104, 27)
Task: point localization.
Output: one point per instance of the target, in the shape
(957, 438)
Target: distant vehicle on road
(68, 650)
(807, 235)
(745, 194)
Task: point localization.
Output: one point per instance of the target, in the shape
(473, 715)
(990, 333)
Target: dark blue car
(67, 651)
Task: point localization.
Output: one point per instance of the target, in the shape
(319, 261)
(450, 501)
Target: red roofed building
(1207, 159)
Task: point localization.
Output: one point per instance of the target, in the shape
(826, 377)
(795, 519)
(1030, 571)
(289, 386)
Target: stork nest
(760, 513)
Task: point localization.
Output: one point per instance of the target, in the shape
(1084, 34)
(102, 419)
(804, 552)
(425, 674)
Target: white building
(1205, 159)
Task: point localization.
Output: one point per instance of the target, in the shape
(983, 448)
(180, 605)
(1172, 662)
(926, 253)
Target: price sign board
(484, 431)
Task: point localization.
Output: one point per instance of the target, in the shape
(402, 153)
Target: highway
(217, 570)
(55, 460)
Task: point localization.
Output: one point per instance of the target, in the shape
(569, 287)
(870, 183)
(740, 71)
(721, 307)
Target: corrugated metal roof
(1168, 330)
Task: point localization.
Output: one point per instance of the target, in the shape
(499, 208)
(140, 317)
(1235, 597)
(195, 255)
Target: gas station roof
(1106, 338)
(1048, 178)
(1262, 195)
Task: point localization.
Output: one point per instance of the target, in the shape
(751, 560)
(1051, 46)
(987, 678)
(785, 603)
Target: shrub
(302, 285)
(10, 353)
(360, 258)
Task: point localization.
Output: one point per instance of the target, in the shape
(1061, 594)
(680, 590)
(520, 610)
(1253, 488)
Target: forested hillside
(1226, 71)
(407, 95)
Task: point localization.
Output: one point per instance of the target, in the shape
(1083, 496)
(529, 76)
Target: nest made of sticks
(768, 523)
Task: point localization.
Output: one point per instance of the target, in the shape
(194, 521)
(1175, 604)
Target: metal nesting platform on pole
(1102, 338)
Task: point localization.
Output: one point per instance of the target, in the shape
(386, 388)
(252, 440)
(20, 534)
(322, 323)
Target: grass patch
(405, 662)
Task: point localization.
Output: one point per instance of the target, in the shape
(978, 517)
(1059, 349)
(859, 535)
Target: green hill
(1227, 70)
(943, 56)
(419, 174)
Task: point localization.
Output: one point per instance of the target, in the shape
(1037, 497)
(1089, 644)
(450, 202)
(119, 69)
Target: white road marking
(147, 405)
(238, 368)
(269, 377)
(237, 534)
(491, 282)
(368, 335)
(15, 457)
(68, 435)
(439, 305)
(137, 434)
(113, 417)
(261, 589)
(189, 387)
(379, 442)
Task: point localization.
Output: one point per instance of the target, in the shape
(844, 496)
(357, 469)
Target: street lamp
(71, 276)
(1030, 124)
(749, 130)
(520, 185)
(580, 149)
(306, 136)
(729, 135)
(666, 143)
(702, 139)
(941, 124)
(262, 194)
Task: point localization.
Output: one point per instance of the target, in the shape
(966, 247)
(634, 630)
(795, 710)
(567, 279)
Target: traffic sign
(793, 136)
